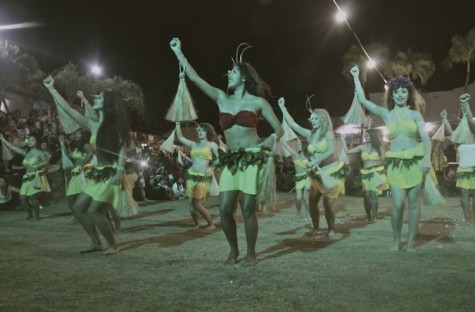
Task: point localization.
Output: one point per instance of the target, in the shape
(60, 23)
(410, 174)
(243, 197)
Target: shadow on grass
(435, 229)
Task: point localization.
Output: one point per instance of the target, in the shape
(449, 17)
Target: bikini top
(243, 118)
(203, 153)
(370, 156)
(301, 163)
(320, 147)
(406, 127)
(31, 161)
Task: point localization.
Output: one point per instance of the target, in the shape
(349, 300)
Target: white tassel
(68, 124)
(355, 115)
(289, 134)
(462, 134)
(167, 145)
(182, 108)
(266, 187)
(328, 181)
(432, 195)
(439, 135)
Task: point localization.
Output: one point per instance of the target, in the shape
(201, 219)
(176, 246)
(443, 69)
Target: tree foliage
(462, 50)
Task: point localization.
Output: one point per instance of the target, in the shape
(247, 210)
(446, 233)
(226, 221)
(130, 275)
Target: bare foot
(111, 251)
(250, 261)
(92, 248)
(410, 248)
(395, 247)
(314, 232)
(210, 227)
(232, 259)
(196, 226)
(331, 234)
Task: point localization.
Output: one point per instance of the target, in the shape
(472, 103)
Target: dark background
(297, 45)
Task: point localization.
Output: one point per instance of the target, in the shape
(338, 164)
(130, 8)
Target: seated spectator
(178, 189)
(7, 201)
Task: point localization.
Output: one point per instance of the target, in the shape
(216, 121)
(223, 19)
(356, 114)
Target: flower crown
(400, 82)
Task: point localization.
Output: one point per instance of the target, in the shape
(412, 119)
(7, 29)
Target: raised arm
(214, 93)
(14, 148)
(445, 121)
(306, 133)
(271, 118)
(60, 101)
(373, 108)
(88, 110)
(181, 138)
(464, 99)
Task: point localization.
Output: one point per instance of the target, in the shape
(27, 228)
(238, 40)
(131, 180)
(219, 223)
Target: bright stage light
(96, 70)
(371, 64)
(340, 16)
(144, 163)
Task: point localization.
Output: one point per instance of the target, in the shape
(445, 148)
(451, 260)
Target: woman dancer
(302, 176)
(81, 155)
(407, 160)
(373, 178)
(239, 115)
(199, 174)
(32, 187)
(326, 168)
(109, 136)
(465, 173)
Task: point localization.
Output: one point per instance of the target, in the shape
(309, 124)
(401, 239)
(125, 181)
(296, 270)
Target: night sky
(297, 45)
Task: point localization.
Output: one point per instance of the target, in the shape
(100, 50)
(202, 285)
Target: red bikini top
(243, 118)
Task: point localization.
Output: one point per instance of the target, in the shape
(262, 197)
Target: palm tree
(462, 51)
(356, 56)
(69, 81)
(17, 68)
(417, 66)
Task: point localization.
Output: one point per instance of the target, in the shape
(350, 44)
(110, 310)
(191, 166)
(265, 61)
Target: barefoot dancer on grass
(239, 115)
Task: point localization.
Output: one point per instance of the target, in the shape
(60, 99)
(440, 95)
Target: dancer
(109, 136)
(239, 115)
(81, 155)
(327, 172)
(199, 174)
(35, 182)
(373, 178)
(407, 160)
(302, 176)
(465, 170)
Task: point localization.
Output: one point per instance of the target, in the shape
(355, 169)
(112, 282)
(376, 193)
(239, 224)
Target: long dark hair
(253, 83)
(374, 140)
(114, 130)
(210, 132)
(415, 101)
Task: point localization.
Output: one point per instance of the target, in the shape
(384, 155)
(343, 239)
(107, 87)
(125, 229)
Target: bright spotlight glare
(340, 16)
(143, 163)
(96, 70)
(371, 64)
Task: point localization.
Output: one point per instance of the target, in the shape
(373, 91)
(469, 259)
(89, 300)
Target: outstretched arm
(306, 133)
(271, 118)
(214, 93)
(88, 110)
(181, 138)
(60, 101)
(373, 108)
(12, 147)
(446, 122)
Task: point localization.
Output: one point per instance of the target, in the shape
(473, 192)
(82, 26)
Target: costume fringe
(182, 108)
(378, 179)
(69, 125)
(462, 135)
(213, 186)
(66, 162)
(266, 186)
(355, 115)
(328, 181)
(432, 195)
(167, 145)
(179, 158)
(6, 152)
(439, 135)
